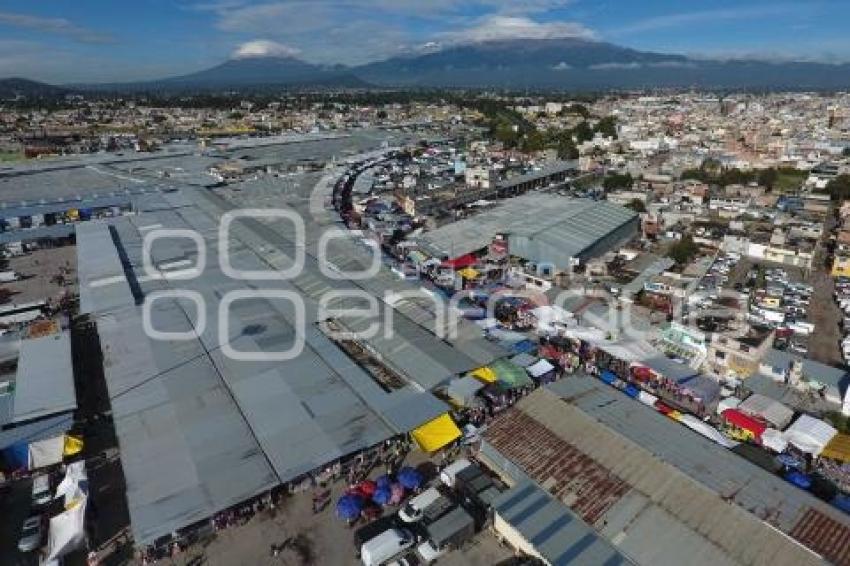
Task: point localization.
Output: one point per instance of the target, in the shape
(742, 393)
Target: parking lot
(315, 538)
(45, 273)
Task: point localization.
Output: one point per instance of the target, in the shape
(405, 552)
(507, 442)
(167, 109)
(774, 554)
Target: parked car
(452, 530)
(447, 476)
(373, 529)
(31, 534)
(386, 546)
(412, 511)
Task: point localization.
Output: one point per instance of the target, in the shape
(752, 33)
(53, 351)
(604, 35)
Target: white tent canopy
(75, 483)
(542, 367)
(727, 403)
(46, 452)
(809, 434)
(66, 531)
(706, 430)
(773, 439)
(552, 313)
(765, 408)
(647, 398)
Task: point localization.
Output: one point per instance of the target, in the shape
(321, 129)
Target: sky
(67, 41)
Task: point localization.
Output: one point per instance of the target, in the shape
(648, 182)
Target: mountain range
(562, 64)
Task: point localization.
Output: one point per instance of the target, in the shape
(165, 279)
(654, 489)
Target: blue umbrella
(349, 507)
(383, 481)
(410, 478)
(382, 495)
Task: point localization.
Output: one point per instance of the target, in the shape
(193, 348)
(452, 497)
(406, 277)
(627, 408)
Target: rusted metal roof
(658, 491)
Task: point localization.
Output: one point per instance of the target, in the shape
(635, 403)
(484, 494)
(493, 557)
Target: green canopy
(510, 376)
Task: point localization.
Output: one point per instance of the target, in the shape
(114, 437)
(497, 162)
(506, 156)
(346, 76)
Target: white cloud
(708, 16)
(264, 48)
(672, 65)
(58, 26)
(562, 66)
(494, 28)
(358, 31)
(615, 66)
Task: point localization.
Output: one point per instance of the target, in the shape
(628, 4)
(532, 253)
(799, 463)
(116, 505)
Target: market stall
(436, 434)
(810, 435)
(768, 410)
(741, 426)
(463, 392)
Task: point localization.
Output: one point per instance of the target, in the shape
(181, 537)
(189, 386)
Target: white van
(412, 510)
(386, 546)
(41, 494)
(447, 476)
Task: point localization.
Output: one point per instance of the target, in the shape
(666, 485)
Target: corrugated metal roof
(103, 284)
(227, 429)
(555, 532)
(44, 383)
(186, 449)
(676, 478)
(541, 227)
(566, 166)
(33, 234)
(32, 209)
(7, 408)
(38, 430)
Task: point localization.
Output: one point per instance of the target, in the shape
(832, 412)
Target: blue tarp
(842, 502)
(16, 456)
(631, 390)
(523, 347)
(608, 377)
(799, 479)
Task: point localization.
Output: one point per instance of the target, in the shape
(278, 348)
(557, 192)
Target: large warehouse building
(659, 492)
(223, 429)
(541, 228)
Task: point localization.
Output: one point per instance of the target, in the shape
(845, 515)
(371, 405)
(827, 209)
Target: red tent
(740, 420)
(642, 373)
(663, 408)
(467, 260)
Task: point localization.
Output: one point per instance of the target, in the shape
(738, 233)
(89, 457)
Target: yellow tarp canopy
(73, 445)
(435, 434)
(484, 374)
(838, 448)
(468, 273)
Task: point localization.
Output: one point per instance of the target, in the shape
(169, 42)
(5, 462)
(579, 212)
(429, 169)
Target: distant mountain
(576, 64)
(250, 73)
(262, 70)
(562, 64)
(17, 87)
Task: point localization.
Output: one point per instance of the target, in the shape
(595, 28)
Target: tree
(697, 174)
(636, 205)
(711, 167)
(839, 188)
(684, 250)
(767, 178)
(583, 132)
(607, 127)
(566, 147)
(579, 109)
(615, 181)
(533, 141)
